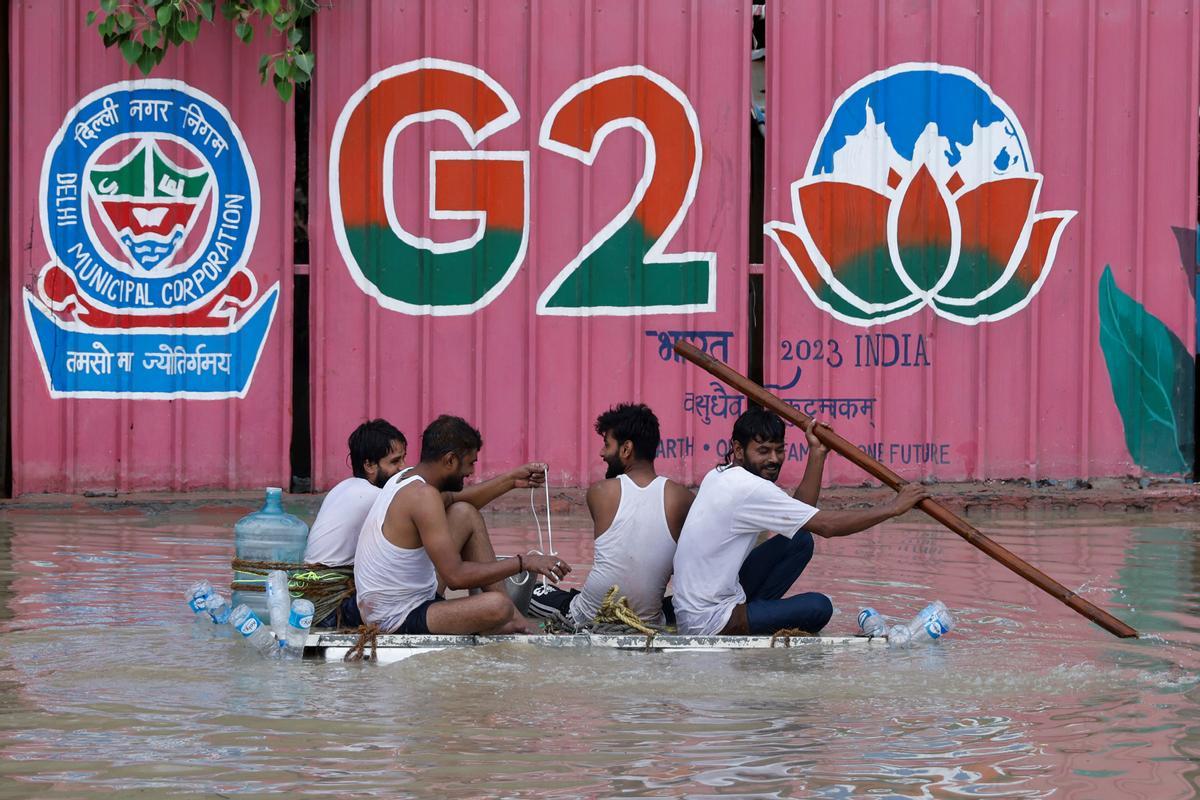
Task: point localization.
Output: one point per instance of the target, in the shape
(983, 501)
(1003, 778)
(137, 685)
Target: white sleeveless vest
(635, 553)
(391, 581)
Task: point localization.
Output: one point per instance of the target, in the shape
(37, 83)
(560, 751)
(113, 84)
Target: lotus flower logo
(920, 192)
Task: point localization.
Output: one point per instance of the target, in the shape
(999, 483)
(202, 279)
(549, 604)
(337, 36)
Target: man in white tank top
(412, 546)
(377, 453)
(637, 516)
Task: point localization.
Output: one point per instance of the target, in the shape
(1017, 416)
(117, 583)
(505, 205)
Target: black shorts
(414, 624)
(350, 618)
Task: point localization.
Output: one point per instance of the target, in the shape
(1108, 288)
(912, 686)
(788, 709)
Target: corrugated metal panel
(406, 335)
(128, 166)
(1056, 374)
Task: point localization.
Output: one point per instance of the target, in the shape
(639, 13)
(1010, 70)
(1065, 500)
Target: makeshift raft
(395, 647)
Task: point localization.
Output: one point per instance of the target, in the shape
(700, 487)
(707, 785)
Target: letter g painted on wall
(409, 273)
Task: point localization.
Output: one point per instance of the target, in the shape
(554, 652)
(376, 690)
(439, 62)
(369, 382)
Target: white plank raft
(396, 647)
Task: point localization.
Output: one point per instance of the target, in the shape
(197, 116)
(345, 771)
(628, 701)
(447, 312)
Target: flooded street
(109, 687)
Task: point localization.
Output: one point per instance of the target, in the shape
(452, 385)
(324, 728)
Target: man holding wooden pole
(726, 585)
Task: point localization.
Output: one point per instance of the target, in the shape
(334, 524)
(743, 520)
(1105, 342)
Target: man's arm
(843, 523)
(678, 500)
(809, 490)
(480, 494)
(429, 518)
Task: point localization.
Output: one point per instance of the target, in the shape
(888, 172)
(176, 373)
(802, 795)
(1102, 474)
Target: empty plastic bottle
(299, 621)
(269, 534)
(899, 636)
(195, 597)
(871, 623)
(218, 608)
(279, 602)
(932, 623)
(246, 622)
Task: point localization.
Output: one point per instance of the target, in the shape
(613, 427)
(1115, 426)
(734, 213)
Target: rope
(615, 611)
(785, 635)
(549, 528)
(366, 633)
(325, 586)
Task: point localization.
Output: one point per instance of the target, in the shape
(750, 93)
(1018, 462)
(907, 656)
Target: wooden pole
(847, 450)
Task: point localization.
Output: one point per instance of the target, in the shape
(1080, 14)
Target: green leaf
(108, 6)
(281, 68)
(131, 50)
(91, 17)
(124, 20)
(148, 60)
(304, 62)
(294, 36)
(151, 37)
(189, 29)
(271, 7)
(245, 31)
(1153, 381)
(284, 89)
(206, 9)
(163, 15)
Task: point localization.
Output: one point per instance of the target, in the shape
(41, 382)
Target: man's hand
(552, 567)
(815, 446)
(910, 494)
(530, 476)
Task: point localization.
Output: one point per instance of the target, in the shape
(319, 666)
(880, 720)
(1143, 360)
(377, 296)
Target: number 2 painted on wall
(623, 270)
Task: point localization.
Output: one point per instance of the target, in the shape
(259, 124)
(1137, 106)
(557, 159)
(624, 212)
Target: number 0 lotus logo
(149, 209)
(920, 192)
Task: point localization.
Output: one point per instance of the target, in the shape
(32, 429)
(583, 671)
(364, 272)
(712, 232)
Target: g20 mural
(149, 207)
(920, 192)
(415, 275)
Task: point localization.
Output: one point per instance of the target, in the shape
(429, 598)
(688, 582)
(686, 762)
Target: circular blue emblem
(165, 223)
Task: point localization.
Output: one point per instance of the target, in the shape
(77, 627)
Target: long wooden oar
(934, 509)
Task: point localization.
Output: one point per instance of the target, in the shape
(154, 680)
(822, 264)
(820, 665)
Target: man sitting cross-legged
(413, 546)
(637, 516)
(723, 582)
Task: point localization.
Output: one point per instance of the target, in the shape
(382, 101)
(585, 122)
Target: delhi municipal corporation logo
(920, 192)
(149, 209)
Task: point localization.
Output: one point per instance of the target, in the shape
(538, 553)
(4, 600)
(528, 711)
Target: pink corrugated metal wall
(542, 110)
(973, 267)
(152, 248)
(921, 155)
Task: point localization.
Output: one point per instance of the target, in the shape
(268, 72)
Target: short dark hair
(758, 424)
(632, 422)
(448, 434)
(372, 441)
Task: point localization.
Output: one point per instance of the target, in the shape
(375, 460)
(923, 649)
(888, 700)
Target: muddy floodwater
(109, 689)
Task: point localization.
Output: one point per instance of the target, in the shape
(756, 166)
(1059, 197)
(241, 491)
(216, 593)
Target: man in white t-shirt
(726, 585)
(377, 452)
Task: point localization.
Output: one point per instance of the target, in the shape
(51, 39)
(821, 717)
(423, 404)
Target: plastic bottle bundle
(300, 619)
(269, 534)
(930, 624)
(196, 597)
(279, 602)
(246, 622)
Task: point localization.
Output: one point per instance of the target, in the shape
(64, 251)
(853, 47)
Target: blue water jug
(269, 534)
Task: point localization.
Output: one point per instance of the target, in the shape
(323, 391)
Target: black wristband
(520, 564)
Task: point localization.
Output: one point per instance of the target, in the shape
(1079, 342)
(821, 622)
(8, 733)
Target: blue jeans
(768, 572)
